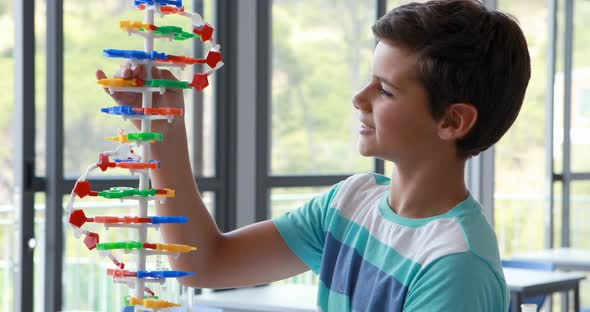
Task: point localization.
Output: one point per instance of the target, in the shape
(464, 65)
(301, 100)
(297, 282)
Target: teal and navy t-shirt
(368, 258)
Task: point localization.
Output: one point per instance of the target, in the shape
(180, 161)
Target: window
(8, 213)
(519, 197)
(83, 128)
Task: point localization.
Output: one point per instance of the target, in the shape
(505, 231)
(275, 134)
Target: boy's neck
(430, 189)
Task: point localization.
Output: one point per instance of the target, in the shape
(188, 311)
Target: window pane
(579, 230)
(83, 98)
(39, 253)
(520, 155)
(321, 56)
(395, 3)
(283, 200)
(40, 94)
(580, 135)
(86, 287)
(8, 221)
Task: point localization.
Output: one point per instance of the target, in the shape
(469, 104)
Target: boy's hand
(170, 98)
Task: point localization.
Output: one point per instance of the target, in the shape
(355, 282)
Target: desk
(300, 298)
(271, 298)
(565, 259)
(531, 283)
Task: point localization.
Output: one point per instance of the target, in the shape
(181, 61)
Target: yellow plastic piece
(117, 82)
(124, 25)
(175, 248)
(169, 193)
(121, 138)
(152, 303)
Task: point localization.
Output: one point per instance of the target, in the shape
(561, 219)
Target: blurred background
(275, 129)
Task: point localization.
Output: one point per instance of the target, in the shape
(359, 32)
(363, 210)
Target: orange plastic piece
(174, 248)
(165, 9)
(165, 192)
(120, 82)
(152, 303)
(121, 273)
(125, 25)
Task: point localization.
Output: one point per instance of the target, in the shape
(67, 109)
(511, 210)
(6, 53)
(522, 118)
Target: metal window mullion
(24, 108)
(198, 103)
(549, 124)
(567, 96)
(225, 116)
(54, 243)
(263, 111)
(304, 181)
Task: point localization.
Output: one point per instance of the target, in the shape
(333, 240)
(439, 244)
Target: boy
(448, 80)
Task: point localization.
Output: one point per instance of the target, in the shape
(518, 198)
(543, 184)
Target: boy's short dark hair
(465, 54)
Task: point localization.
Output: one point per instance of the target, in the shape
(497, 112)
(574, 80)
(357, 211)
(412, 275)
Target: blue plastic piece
(167, 219)
(117, 160)
(155, 161)
(119, 110)
(176, 3)
(135, 54)
(128, 309)
(163, 274)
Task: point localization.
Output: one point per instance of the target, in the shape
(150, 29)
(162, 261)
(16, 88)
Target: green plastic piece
(120, 245)
(120, 192)
(165, 30)
(126, 301)
(145, 136)
(178, 33)
(173, 84)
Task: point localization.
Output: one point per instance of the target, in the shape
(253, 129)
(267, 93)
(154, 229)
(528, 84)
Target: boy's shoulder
(360, 190)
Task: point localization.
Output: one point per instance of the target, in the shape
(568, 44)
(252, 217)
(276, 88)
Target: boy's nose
(360, 100)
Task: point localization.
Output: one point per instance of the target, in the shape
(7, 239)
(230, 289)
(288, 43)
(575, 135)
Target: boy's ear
(457, 121)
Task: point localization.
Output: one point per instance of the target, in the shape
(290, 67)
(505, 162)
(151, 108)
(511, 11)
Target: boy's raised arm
(253, 255)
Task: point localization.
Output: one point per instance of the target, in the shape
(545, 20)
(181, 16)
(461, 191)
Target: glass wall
(520, 155)
(321, 57)
(8, 222)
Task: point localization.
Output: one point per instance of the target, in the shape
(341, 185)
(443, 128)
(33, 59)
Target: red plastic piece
(106, 219)
(91, 240)
(140, 82)
(82, 188)
(104, 162)
(134, 165)
(150, 292)
(78, 218)
(206, 32)
(161, 192)
(121, 265)
(149, 246)
(177, 59)
(126, 220)
(213, 57)
(199, 82)
(174, 111)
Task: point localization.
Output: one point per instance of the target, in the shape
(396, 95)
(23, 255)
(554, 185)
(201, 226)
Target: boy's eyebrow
(385, 81)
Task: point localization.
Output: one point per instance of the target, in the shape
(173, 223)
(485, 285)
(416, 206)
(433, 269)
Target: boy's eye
(383, 92)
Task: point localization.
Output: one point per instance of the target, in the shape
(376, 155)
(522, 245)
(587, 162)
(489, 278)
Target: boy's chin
(366, 151)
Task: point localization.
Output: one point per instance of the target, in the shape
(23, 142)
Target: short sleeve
(303, 229)
(458, 282)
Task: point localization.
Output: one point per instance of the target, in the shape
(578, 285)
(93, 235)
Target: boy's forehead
(393, 62)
